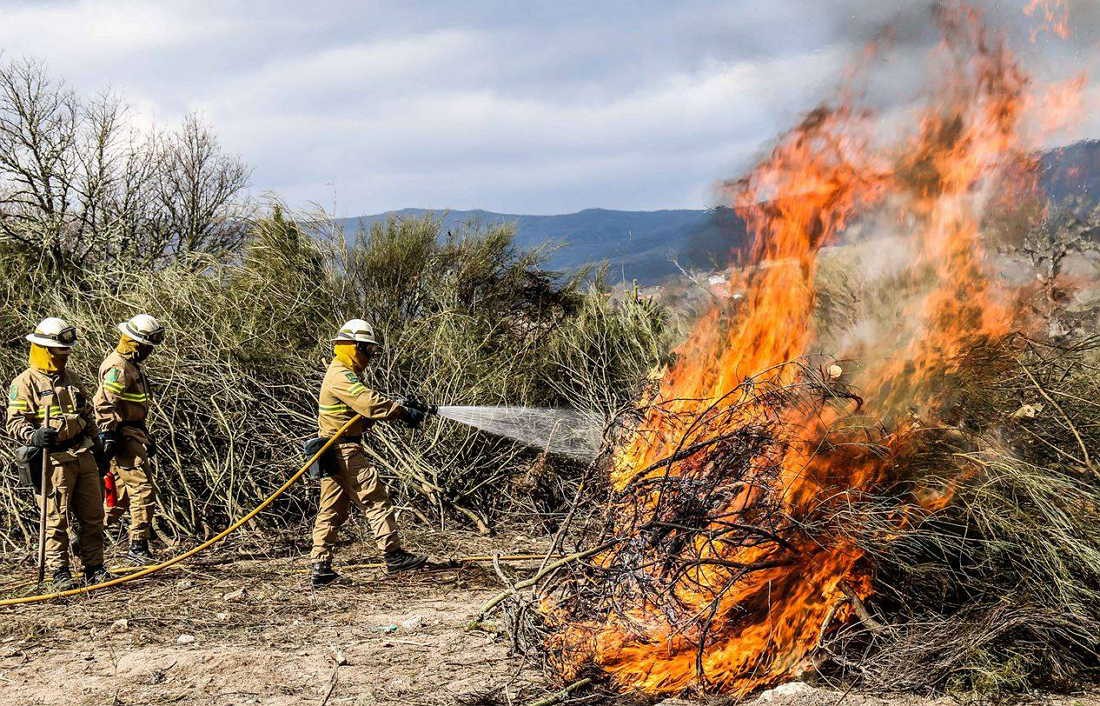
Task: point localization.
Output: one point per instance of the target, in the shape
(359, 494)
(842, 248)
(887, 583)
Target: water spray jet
(561, 431)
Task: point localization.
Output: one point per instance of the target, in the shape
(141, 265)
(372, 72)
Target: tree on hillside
(80, 188)
(196, 185)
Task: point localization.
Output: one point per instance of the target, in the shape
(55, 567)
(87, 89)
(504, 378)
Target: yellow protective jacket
(70, 412)
(344, 395)
(122, 399)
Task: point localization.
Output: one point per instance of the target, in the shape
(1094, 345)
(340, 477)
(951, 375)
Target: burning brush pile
(906, 499)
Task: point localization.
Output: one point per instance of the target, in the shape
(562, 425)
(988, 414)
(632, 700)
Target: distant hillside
(1073, 170)
(647, 245)
(640, 245)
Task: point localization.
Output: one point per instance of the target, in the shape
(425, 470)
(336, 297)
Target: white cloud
(87, 35)
(518, 107)
(434, 135)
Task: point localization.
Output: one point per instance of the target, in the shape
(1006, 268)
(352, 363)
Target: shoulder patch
(352, 377)
(13, 392)
(113, 375)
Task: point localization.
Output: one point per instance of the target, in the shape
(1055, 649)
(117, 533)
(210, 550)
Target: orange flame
(1055, 15)
(1063, 104)
(768, 603)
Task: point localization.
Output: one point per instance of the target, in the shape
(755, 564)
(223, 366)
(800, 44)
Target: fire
(1063, 104)
(741, 599)
(1055, 16)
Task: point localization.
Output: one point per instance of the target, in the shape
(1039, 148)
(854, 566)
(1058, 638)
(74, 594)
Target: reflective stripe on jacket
(123, 396)
(70, 412)
(343, 394)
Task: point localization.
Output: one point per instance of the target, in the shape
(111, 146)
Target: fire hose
(148, 570)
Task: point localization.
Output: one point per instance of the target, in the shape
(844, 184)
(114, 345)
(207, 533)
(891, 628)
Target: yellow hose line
(116, 570)
(450, 560)
(191, 552)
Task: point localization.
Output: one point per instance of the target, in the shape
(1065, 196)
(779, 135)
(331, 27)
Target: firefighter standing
(74, 483)
(121, 408)
(350, 476)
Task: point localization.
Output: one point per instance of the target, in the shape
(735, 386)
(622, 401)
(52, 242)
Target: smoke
(693, 596)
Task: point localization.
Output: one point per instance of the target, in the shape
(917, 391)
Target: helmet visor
(153, 337)
(66, 336)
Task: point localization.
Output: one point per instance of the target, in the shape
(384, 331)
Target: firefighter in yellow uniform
(47, 389)
(350, 477)
(121, 408)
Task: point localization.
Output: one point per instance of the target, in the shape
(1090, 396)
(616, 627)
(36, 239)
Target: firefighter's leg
(87, 505)
(132, 464)
(375, 500)
(58, 496)
(336, 494)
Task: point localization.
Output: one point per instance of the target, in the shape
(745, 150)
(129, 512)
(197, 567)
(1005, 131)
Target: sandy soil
(192, 638)
(235, 628)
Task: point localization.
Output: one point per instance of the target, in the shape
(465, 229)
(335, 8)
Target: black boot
(322, 574)
(401, 560)
(139, 552)
(97, 574)
(62, 580)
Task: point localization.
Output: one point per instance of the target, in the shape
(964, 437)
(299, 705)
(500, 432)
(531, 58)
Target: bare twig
(561, 695)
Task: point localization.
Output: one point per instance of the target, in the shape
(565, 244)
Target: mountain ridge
(648, 246)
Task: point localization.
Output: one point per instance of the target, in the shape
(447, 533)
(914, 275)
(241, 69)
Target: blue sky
(523, 107)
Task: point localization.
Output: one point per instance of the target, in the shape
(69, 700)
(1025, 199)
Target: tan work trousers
(353, 480)
(135, 488)
(75, 486)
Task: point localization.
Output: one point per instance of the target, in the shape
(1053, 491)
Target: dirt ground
(191, 637)
(234, 627)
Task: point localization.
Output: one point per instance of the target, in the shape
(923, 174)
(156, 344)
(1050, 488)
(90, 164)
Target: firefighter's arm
(365, 401)
(21, 422)
(112, 385)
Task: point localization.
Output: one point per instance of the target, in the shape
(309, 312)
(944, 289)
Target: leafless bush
(82, 191)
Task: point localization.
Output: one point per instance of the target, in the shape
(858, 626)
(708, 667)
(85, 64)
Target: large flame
(767, 602)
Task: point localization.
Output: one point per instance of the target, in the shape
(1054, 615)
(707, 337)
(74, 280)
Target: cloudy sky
(521, 107)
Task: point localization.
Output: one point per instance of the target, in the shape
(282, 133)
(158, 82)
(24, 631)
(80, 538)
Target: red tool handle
(110, 490)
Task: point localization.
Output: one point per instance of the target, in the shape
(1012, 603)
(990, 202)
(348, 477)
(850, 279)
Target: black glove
(416, 411)
(413, 417)
(108, 443)
(44, 437)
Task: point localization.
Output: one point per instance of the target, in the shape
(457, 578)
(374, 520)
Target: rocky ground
(237, 628)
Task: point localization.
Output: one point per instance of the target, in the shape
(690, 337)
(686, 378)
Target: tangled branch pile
(969, 562)
(938, 531)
